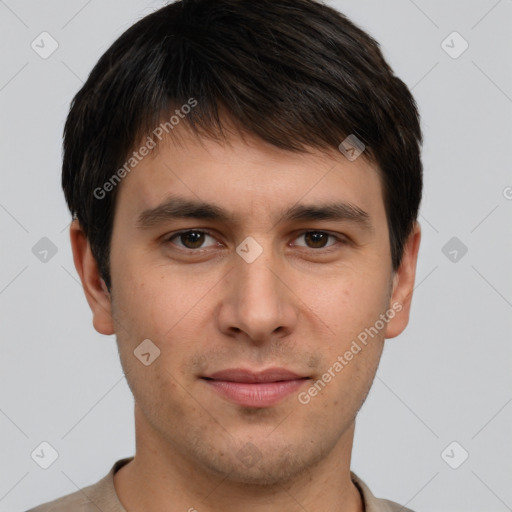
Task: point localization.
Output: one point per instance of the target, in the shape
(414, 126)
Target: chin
(271, 467)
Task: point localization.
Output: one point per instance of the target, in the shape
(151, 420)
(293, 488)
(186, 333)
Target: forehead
(248, 176)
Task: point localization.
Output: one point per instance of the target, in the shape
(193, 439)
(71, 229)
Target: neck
(162, 479)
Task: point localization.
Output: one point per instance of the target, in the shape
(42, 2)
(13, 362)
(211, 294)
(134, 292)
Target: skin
(297, 306)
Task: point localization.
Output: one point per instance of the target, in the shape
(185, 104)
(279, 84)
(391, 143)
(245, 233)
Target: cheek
(170, 313)
(349, 304)
(149, 303)
(149, 313)
(158, 391)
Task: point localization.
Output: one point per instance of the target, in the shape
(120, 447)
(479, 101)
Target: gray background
(447, 378)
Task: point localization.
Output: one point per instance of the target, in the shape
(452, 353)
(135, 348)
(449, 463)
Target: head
(231, 114)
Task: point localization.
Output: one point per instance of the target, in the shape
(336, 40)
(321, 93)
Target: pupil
(195, 237)
(316, 239)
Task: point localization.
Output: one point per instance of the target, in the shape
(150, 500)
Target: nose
(257, 303)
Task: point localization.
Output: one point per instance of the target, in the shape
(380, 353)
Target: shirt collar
(370, 502)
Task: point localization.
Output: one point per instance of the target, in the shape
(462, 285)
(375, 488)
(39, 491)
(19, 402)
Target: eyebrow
(180, 208)
(176, 207)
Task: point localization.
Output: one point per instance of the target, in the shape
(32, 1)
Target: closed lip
(251, 376)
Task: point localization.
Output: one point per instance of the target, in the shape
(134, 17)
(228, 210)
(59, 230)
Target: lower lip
(257, 394)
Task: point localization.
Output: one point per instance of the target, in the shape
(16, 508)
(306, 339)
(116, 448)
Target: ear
(96, 291)
(403, 285)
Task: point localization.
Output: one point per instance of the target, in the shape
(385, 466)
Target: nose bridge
(258, 279)
(257, 282)
(258, 303)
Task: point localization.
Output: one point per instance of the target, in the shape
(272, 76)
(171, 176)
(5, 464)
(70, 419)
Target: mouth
(255, 389)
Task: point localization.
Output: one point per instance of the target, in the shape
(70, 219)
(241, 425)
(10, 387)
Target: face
(264, 266)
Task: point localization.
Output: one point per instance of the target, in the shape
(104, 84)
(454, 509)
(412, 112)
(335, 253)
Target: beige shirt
(102, 496)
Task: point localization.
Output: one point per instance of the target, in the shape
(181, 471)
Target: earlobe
(96, 292)
(403, 284)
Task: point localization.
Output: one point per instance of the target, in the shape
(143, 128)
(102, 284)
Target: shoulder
(373, 504)
(99, 496)
(77, 502)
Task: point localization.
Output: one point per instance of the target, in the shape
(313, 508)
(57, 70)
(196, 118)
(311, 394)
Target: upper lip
(242, 375)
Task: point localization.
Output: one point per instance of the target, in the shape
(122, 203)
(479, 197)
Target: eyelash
(339, 241)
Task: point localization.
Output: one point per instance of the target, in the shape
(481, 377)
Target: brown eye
(192, 239)
(316, 239)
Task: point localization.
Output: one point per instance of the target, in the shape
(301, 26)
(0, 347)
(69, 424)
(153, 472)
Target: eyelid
(343, 240)
(340, 239)
(176, 234)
